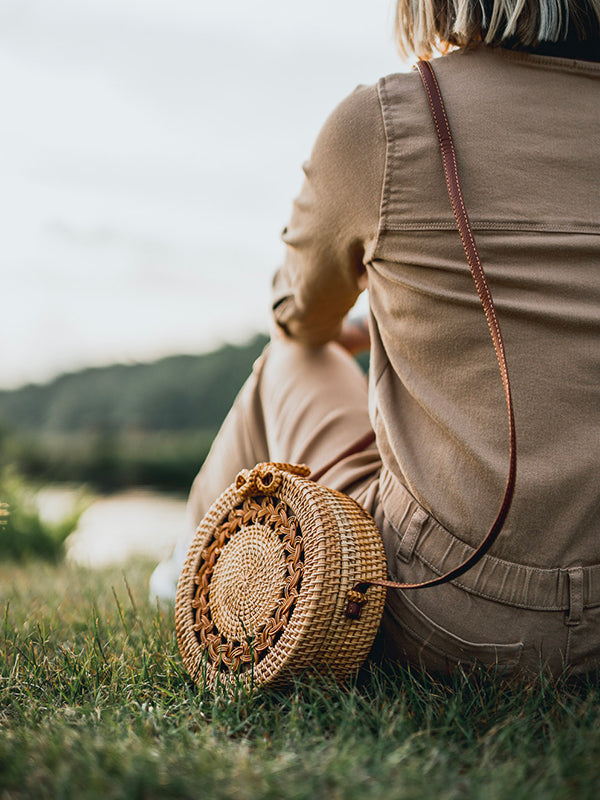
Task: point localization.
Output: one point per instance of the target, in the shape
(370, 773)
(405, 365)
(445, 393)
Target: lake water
(116, 527)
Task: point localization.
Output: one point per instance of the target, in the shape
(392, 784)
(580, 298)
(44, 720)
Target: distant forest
(123, 425)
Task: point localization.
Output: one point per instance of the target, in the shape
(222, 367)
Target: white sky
(149, 154)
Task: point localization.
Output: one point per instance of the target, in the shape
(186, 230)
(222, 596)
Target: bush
(24, 535)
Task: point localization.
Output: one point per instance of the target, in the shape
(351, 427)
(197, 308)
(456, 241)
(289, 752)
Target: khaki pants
(300, 405)
(304, 405)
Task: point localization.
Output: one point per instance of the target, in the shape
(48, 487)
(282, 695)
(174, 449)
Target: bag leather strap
(448, 152)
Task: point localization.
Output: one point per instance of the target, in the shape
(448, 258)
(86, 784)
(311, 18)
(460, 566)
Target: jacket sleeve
(334, 221)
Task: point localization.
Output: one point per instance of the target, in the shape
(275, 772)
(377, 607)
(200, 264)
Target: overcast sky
(149, 154)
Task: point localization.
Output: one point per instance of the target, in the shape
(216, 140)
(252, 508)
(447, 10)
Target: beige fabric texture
(374, 213)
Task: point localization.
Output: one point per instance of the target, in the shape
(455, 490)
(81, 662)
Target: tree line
(122, 425)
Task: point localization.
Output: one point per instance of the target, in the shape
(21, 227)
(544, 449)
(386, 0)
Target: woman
(522, 92)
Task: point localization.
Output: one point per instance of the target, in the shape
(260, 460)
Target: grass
(94, 702)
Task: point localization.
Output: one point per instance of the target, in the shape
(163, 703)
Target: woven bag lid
(264, 590)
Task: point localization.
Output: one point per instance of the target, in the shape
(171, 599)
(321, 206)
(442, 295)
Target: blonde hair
(426, 26)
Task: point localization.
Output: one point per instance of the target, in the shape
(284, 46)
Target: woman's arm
(334, 223)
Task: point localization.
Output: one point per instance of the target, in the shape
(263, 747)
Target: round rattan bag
(267, 589)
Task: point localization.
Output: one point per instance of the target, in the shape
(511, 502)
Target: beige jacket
(374, 213)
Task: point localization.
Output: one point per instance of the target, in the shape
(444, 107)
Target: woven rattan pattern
(246, 582)
(250, 599)
(328, 543)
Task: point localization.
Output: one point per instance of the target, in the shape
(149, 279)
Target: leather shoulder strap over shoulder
(449, 162)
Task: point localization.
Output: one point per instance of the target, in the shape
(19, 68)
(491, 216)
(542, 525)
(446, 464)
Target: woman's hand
(354, 336)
